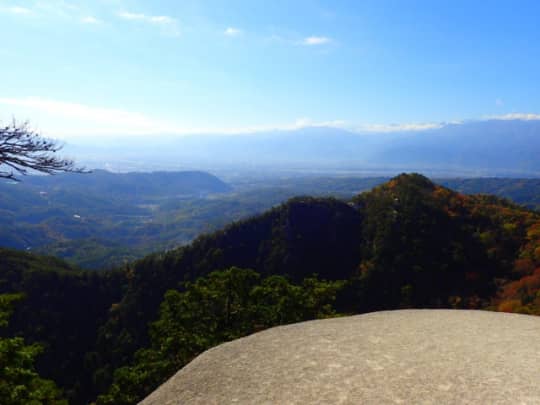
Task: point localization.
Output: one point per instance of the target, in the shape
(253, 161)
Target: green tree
(19, 381)
(222, 306)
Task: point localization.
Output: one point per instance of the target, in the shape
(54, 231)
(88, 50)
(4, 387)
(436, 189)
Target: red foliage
(523, 267)
(524, 287)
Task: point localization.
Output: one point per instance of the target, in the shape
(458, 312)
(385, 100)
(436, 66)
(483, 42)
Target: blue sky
(110, 67)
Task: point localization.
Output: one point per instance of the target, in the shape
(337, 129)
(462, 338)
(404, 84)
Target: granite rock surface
(391, 357)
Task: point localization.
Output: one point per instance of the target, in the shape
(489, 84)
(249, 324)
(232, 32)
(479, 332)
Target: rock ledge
(392, 357)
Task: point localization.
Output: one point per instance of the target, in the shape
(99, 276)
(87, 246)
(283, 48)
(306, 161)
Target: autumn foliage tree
(23, 151)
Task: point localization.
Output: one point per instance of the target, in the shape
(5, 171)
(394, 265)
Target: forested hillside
(521, 191)
(102, 219)
(408, 243)
(61, 308)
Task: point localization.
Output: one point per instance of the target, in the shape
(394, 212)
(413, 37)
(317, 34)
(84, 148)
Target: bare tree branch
(22, 149)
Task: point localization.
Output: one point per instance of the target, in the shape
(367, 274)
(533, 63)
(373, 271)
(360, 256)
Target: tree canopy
(19, 381)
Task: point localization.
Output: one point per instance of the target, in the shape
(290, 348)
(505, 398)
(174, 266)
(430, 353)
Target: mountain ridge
(501, 147)
(463, 247)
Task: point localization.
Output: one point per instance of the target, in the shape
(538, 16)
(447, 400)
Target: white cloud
(305, 122)
(313, 40)
(132, 16)
(59, 118)
(90, 20)
(154, 19)
(71, 120)
(516, 116)
(232, 32)
(247, 130)
(398, 127)
(430, 125)
(17, 10)
(65, 9)
(169, 24)
(161, 19)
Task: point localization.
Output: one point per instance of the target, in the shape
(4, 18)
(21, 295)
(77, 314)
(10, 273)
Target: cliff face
(406, 356)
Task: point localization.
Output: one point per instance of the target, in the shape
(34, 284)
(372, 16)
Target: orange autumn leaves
(523, 295)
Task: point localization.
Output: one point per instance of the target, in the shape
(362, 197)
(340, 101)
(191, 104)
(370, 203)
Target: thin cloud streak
(131, 16)
(17, 10)
(232, 32)
(398, 127)
(94, 120)
(314, 40)
(157, 19)
(81, 120)
(168, 24)
(90, 20)
(516, 116)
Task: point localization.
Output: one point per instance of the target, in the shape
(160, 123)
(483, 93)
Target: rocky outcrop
(393, 357)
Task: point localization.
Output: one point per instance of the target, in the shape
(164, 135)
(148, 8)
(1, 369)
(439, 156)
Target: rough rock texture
(393, 357)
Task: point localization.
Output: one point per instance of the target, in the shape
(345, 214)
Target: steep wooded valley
(112, 336)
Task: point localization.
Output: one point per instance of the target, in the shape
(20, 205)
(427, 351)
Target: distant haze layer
(486, 148)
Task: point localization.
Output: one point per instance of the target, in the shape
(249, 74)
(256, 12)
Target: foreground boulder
(393, 357)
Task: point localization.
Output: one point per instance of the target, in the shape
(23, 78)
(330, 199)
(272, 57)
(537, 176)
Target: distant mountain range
(479, 148)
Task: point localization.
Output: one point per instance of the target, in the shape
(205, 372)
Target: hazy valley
(102, 219)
